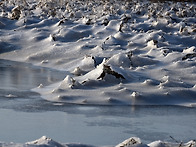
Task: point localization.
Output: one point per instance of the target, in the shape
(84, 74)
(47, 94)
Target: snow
(112, 53)
(130, 142)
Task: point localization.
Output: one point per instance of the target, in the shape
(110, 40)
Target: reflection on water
(97, 125)
(16, 80)
(16, 75)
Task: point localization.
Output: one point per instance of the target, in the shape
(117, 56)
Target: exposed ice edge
(131, 142)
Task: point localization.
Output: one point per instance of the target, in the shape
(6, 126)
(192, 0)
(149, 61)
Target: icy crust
(131, 142)
(112, 52)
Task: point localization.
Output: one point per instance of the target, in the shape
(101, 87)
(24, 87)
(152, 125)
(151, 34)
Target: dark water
(25, 116)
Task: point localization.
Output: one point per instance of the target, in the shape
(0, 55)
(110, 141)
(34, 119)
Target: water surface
(25, 116)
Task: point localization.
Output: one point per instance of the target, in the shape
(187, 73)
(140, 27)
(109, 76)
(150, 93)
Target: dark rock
(191, 55)
(108, 70)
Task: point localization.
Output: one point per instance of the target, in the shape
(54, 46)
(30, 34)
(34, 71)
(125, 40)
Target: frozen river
(25, 116)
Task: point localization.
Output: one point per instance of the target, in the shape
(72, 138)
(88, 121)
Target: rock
(108, 70)
(16, 13)
(191, 55)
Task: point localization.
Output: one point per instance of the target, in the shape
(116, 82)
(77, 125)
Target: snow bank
(131, 142)
(113, 53)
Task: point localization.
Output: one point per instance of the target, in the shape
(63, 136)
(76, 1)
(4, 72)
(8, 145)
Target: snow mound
(136, 142)
(112, 52)
(131, 142)
(44, 141)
